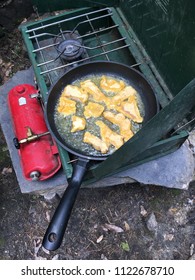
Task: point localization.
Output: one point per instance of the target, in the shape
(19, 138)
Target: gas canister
(37, 151)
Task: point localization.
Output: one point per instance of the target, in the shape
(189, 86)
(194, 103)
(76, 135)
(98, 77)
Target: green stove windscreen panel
(166, 29)
(51, 5)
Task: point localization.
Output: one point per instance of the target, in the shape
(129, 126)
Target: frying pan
(56, 229)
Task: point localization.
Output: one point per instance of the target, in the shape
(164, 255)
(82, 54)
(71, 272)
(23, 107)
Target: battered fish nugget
(78, 123)
(123, 123)
(66, 106)
(89, 87)
(111, 85)
(75, 93)
(93, 110)
(124, 94)
(130, 109)
(96, 142)
(109, 136)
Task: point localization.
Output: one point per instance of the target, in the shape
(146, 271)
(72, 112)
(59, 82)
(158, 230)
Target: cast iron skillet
(56, 229)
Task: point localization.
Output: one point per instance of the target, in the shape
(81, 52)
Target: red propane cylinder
(38, 152)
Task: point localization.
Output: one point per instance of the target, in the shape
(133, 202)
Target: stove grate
(95, 35)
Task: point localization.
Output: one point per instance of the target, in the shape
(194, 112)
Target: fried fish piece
(96, 142)
(130, 109)
(75, 93)
(109, 136)
(89, 87)
(78, 123)
(123, 123)
(93, 110)
(124, 94)
(66, 106)
(111, 85)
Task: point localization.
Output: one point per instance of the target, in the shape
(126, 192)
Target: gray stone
(56, 183)
(152, 224)
(175, 170)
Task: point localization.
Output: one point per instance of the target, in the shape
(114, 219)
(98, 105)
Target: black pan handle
(56, 229)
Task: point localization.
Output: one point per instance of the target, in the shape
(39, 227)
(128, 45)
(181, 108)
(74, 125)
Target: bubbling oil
(75, 140)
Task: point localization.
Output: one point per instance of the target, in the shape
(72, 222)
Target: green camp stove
(155, 37)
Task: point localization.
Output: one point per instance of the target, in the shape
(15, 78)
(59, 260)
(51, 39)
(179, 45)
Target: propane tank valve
(35, 95)
(30, 137)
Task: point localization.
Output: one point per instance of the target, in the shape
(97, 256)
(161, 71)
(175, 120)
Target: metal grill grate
(91, 31)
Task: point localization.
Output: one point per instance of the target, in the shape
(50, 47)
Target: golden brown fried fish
(109, 136)
(130, 109)
(66, 106)
(78, 123)
(93, 110)
(89, 87)
(111, 85)
(75, 93)
(96, 142)
(123, 95)
(123, 123)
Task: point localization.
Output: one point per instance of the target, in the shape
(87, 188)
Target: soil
(130, 221)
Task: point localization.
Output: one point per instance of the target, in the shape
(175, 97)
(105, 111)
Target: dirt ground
(125, 222)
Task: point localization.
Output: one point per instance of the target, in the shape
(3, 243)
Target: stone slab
(56, 182)
(175, 170)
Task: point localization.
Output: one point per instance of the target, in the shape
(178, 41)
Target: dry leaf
(48, 216)
(191, 249)
(24, 20)
(40, 258)
(104, 228)
(56, 257)
(103, 257)
(6, 170)
(143, 212)
(127, 227)
(43, 204)
(168, 236)
(100, 239)
(46, 251)
(37, 246)
(173, 211)
(114, 228)
(8, 72)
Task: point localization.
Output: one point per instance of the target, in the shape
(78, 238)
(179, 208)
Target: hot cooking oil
(75, 140)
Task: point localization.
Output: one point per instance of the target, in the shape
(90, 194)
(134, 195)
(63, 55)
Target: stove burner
(70, 49)
(70, 45)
